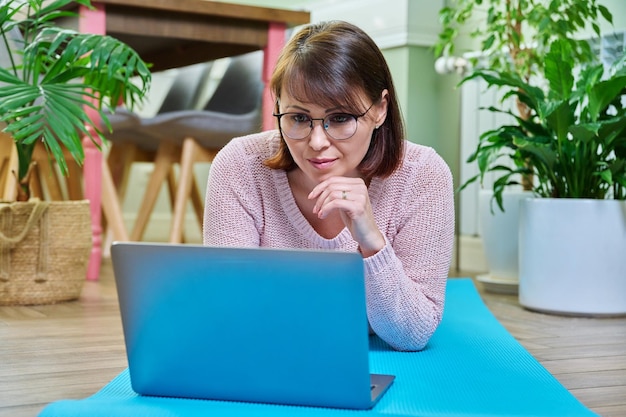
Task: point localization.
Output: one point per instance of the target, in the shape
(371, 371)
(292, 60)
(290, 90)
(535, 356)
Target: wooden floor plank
(600, 396)
(569, 365)
(612, 378)
(583, 351)
(611, 410)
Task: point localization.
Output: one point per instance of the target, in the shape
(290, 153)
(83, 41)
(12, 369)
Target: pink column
(275, 43)
(93, 21)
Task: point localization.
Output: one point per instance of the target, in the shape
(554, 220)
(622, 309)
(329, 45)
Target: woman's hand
(350, 197)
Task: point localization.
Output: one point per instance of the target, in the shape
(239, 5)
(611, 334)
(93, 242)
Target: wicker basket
(44, 251)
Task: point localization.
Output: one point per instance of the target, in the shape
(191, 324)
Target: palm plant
(56, 77)
(574, 139)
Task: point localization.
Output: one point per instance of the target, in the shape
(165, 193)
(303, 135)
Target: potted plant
(513, 37)
(52, 80)
(573, 143)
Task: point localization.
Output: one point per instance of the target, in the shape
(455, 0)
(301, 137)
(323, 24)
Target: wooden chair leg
(171, 186)
(111, 206)
(119, 162)
(198, 202)
(9, 167)
(47, 174)
(121, 158)
(7, 149)
(74, 181)
(185, 180)
(5, 175)
(34, 182)
(165, 158)
(187, 186)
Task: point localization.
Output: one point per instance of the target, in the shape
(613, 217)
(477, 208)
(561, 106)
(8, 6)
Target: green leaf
(543, 154)
(612, 134)
(488, 43)
(607, 176)
(560, 116)
(605, 13)
(64, 73)
(558, 70)
(603, 93)
(585, 132)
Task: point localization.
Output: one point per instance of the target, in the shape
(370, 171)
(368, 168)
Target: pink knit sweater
(250, 205)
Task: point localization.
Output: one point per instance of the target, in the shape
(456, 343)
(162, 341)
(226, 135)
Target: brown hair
(331, 61)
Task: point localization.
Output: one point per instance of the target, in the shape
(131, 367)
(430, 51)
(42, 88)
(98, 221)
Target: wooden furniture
(45, 179)
(233, 110)
(130, 144)
(8, 162)
(173, 33)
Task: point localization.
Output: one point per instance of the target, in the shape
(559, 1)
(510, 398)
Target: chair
(129, 144)
(233, 110)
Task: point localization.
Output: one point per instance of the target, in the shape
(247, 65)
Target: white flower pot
(572, 256)
(499, 232)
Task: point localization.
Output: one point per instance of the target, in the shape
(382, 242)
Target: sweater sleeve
(229, 217)
(406, 280)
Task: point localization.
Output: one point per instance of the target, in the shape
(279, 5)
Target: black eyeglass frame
(356, 118)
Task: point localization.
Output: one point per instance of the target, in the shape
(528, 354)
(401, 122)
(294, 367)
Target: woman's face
(318, 155)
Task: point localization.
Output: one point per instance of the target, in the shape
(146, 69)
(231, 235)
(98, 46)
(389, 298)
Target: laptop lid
(254, 324)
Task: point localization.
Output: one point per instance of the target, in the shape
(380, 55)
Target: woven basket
(44, 251)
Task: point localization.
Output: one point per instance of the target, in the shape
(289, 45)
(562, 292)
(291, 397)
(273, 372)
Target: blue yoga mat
(471, 367)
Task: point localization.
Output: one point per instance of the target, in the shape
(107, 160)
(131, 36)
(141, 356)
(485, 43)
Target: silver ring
(344, 195)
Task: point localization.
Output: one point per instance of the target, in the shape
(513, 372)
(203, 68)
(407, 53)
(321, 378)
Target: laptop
(259, 325)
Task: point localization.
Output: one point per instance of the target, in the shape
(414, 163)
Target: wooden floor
(71, 350)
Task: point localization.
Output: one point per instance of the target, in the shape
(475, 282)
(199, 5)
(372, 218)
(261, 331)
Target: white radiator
(474, 122)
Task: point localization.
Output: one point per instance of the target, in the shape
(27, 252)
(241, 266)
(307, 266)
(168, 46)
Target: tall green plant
(515, 35)
(55, 76)
(574, 137)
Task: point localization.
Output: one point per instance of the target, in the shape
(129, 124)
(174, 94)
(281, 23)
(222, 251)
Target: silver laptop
(254, 325)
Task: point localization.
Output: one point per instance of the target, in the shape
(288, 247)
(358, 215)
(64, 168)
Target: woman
(339, 175)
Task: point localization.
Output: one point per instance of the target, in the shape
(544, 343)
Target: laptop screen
(261, 325)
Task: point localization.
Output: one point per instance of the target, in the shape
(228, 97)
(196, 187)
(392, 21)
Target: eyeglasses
(339, 126)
